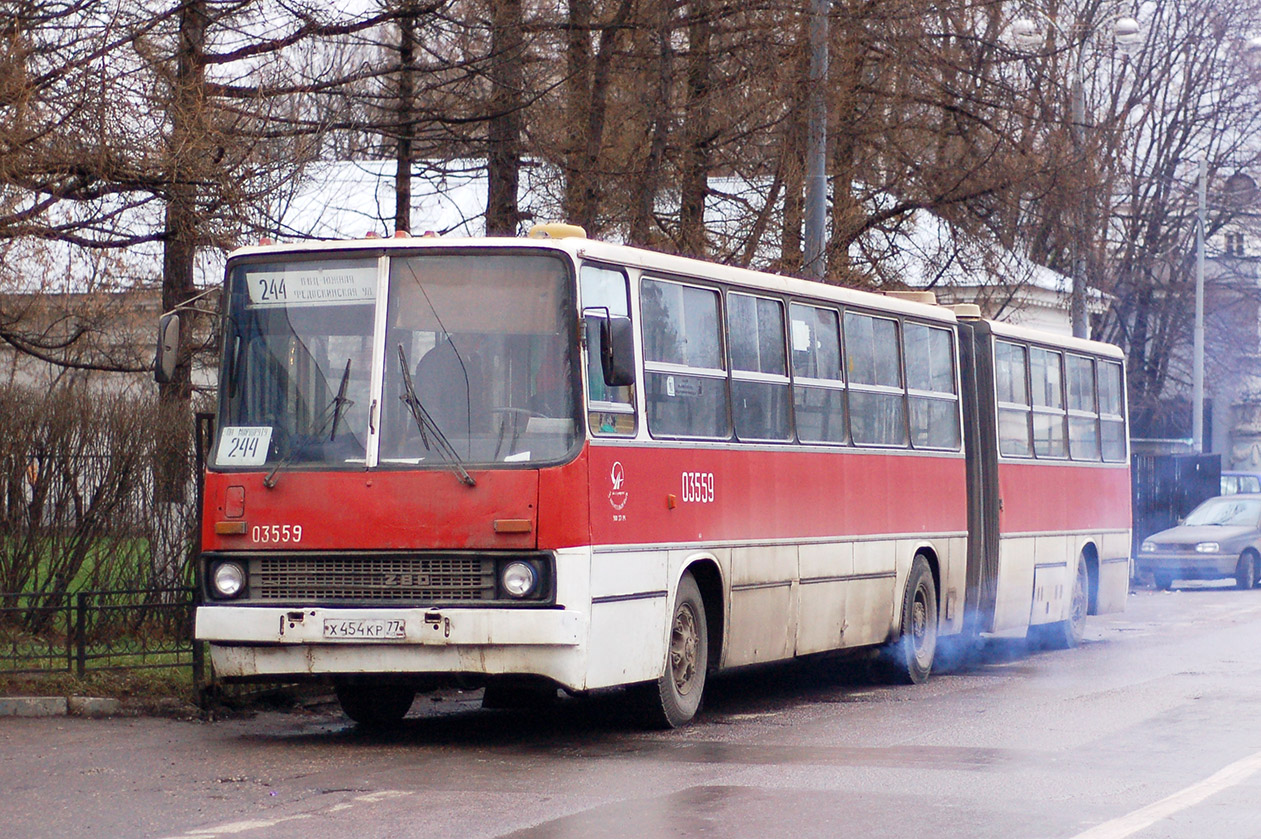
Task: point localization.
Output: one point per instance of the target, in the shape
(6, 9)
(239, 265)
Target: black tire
(1246, 571)
(909, 660)
(1066, 634)
(374, 706)
(674, 698)
(1162, 580)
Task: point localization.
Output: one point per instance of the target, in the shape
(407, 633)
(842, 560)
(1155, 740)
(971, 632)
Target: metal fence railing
(76, 632)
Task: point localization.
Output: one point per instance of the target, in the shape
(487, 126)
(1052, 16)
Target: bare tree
(1190, 92)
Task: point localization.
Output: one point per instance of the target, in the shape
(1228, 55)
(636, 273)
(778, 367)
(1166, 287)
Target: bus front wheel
(374, 706)
(675, 697)
(909, 659)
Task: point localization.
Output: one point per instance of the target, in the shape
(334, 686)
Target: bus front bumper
(263, 642)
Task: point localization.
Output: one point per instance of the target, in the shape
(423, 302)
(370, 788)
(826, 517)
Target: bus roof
(1024, 333)
(675, 266)
(643, 259)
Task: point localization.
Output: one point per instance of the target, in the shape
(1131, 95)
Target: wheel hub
(684, 642)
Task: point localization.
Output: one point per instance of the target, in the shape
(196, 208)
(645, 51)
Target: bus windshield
(484, 342)
(297, 363)
(481, 337)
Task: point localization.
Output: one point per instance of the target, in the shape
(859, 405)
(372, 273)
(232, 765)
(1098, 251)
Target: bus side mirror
(617, 351)
(168, 348)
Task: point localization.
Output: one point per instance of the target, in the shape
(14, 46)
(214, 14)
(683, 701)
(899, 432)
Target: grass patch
(170, 692)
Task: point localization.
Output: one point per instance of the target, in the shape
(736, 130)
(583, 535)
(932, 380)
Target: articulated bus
(557, 462)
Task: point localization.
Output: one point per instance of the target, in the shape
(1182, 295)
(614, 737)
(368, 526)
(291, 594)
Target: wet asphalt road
(1151, 729)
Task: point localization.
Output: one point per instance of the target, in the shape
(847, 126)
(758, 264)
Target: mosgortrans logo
(617, 478)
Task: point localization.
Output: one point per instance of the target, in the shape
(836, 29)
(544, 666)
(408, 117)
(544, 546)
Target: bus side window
(610, 410)
(818, 389)
(685, 376)
(1046, 376)
(930, 381)
(1112, 432)
(759, 367)
(1011, 382)
(877, 408)
(1083, 413)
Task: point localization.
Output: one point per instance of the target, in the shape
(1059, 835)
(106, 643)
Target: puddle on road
(741, 811)
(694, 811)
(718, 752)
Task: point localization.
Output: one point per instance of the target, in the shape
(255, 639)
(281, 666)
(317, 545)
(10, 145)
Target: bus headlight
(1207, 548)
(1148, 547)
(519, 579)
(227, 579)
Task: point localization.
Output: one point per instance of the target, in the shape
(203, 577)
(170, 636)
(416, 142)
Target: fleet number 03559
(698, 487)
(276, 533)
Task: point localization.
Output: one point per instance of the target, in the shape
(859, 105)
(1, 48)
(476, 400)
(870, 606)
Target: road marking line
(1131, 823)
(241, 827)
(259, 824)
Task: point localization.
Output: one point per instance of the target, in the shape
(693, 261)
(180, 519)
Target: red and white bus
(561, 462)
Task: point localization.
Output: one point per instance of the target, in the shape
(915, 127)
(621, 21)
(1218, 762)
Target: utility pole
(1078, 307)
(817, 141)
(1197, 352)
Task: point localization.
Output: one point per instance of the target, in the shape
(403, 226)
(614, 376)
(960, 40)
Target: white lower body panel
(613, 627)
(1036, 575)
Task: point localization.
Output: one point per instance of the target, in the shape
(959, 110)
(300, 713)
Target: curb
(58, 706)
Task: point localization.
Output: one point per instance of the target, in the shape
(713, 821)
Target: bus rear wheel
(909, 659)
(675, 697)
(374, 706)
(1067, 634)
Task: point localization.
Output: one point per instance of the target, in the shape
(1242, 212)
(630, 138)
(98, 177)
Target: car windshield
(1231, 512)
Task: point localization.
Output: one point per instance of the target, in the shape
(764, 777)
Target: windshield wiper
(340, 402)
(425, 422)
(331, 415)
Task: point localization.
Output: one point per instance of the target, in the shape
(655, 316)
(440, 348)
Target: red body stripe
(644, 495)
(1040, 498)
(770, 495)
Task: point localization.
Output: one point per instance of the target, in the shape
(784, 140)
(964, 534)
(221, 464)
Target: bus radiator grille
(371, 578)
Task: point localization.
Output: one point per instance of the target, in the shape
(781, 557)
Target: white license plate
(364, 629)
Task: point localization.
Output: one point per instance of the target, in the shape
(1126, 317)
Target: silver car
(1220, 538)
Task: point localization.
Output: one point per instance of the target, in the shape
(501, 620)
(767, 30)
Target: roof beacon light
(402, 234)
(557, 230)
(915, 296)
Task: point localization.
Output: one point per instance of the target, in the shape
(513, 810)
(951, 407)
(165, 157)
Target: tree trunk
(694, 175)
(405, 118)
(503, 156)
(577, 105)
(187, 110)
(649, 183)
(793, 152)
